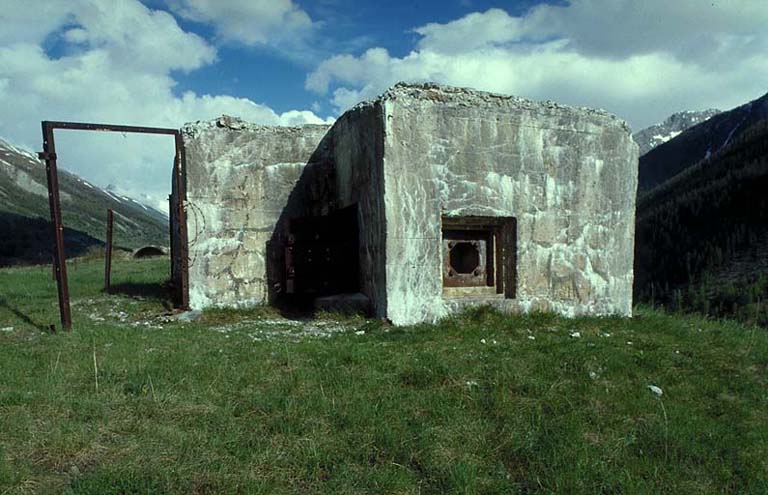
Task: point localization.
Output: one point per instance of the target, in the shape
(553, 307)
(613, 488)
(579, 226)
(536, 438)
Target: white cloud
(473, 31)
(21, 24)
(132, 35)
(117, 67)
(690, 30)
(640, 60)
(252, 22)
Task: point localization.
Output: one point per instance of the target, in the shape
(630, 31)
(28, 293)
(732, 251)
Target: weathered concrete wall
(358, 146)
(243, 182)
(568, 175)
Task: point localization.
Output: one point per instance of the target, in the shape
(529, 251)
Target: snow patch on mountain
(658, 138)
(670, 128)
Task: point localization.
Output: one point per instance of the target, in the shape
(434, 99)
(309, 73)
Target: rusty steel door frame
(49, 156)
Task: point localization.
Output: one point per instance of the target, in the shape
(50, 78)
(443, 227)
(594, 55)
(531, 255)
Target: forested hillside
(701, 236)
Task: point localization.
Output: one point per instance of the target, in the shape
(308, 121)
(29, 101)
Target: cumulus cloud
(690, 30)
(21, 24)
(640, 60)
(277, 23)
(116, 64)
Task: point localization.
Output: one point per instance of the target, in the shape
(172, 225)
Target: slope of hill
(701, 236)
(695, 144)
(479, 403)
(672, 126)
(25, 217)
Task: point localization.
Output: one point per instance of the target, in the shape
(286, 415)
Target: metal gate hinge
(44, 155)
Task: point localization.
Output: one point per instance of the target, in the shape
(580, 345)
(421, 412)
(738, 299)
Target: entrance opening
(479, 256)
(321, 257)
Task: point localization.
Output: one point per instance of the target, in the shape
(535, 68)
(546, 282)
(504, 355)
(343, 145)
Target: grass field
(247, 402)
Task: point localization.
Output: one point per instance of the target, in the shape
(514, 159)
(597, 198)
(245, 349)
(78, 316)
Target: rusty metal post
(170, 233)
(181, 195)
(108, 258)
(54, 202)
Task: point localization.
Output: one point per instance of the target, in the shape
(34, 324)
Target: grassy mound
(134, 401)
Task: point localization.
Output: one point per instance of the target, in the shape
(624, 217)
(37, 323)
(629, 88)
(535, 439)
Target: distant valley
(25, 217)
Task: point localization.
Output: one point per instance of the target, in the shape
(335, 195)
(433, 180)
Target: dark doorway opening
(322, 254)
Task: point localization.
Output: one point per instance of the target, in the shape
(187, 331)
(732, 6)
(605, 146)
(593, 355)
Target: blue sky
(288, 62)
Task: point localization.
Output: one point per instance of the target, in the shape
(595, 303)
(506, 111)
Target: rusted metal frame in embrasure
(49, 156)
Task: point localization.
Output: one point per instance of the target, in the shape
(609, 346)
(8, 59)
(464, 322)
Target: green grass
(212, 407)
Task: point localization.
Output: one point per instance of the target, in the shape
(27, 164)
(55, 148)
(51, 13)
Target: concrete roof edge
(238, 124)
(444, 93)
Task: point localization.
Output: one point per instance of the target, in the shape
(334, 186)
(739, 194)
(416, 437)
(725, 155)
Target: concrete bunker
(425, 200)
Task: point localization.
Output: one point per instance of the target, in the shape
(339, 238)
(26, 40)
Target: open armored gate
(177, 214)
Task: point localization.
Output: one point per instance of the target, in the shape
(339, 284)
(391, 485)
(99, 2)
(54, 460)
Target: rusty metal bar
(54, 202)
(170, 233)
(108, 257)
(178, 170)
(509, 236)
(80, 126)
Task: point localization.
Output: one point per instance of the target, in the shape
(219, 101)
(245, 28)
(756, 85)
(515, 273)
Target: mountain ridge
(671, 127)
(698, 142)
(25, 214)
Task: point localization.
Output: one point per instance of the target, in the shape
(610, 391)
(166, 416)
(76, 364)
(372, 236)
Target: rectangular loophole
(479, 256)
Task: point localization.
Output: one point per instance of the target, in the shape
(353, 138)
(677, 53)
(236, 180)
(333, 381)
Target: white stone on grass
(658, 392)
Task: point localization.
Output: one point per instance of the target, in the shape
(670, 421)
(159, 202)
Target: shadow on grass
(153, 291)
(302, 308)
(280, 308)
(294, 308)
(22, 316)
